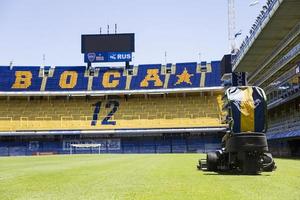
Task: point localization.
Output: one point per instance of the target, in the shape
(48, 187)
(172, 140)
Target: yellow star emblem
(184, 77)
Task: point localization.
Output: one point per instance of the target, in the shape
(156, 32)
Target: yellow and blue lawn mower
(244, 146)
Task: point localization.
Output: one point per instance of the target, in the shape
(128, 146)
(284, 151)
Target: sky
(188, 31)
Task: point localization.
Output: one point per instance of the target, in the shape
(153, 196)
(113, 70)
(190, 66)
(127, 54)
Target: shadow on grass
(231, 174)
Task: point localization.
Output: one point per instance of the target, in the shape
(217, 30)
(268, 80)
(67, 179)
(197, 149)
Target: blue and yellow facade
(103, 113)
(77, 78)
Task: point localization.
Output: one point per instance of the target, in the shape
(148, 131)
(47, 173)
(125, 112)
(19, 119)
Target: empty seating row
(117, 113)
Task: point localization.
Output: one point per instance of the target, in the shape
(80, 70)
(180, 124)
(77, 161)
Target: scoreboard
(107, 43)
(107, 47)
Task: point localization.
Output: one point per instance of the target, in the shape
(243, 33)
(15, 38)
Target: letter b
(23, 80)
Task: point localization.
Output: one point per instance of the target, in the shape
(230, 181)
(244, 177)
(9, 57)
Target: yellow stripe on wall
(247, 111)
(167, 78)
(128, 81)
(208, 68)
(202, 79)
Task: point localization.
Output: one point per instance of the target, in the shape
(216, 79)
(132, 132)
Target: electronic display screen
(107, 43)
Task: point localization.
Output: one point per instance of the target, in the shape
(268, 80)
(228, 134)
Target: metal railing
(285, 125)
(279, 64)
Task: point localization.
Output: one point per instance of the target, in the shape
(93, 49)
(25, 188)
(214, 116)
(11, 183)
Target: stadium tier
(141, 109)
(271, 56)
(80, 113)
(24, 113)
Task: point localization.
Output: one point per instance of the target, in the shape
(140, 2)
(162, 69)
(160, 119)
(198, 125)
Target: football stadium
(138, 131)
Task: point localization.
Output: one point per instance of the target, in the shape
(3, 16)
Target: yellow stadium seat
(173, 111)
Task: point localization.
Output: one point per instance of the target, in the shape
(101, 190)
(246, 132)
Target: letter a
(152, 75)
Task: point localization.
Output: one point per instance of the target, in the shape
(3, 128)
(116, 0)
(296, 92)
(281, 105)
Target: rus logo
(123, 56)
(120, 56)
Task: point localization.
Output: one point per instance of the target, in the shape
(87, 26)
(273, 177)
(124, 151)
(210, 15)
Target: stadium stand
(152, 109)
(273, 50)
(78, 113)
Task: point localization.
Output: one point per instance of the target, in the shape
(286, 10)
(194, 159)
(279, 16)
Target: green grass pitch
(141, 176)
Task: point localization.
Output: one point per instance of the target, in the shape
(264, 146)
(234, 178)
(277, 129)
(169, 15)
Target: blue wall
(76, 78)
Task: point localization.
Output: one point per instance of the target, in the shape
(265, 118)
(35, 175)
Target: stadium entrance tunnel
(241, 154)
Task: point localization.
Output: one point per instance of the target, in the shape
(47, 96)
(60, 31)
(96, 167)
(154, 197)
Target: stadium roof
(279, 22)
